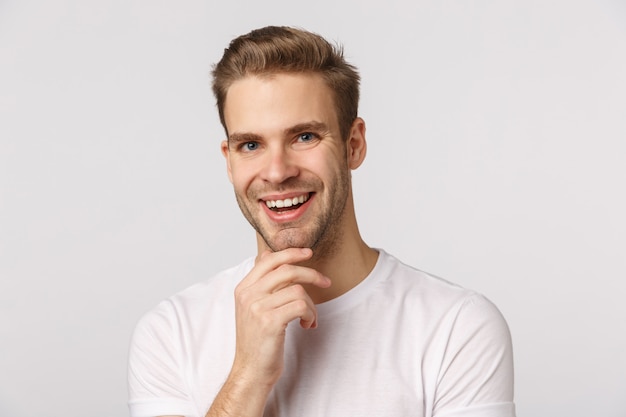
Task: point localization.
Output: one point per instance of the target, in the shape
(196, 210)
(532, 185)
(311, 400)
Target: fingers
(268, 261)
(290, 303)
(282, 291)
(275, 288)
(276, 270)
(286, 275)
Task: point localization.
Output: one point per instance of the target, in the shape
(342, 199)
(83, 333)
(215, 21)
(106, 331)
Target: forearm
(240, 397)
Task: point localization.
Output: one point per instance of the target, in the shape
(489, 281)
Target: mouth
(287, 204)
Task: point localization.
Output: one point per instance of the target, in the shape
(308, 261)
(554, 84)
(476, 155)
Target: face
(288, 164)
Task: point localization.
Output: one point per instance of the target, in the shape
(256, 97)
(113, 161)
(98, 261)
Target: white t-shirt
(401, 343)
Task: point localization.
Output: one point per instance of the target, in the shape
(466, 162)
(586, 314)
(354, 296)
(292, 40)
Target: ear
(356, 145)
(225, 152)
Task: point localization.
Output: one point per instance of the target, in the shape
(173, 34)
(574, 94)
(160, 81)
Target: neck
(346, 266)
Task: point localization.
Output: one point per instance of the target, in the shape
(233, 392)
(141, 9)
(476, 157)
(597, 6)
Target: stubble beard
(322, 234)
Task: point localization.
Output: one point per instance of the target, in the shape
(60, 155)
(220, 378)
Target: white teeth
(288, 202)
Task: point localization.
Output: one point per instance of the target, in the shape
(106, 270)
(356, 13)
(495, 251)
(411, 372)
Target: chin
(282, 245)
(289, 240)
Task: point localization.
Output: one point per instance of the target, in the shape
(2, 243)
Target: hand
(266, 300)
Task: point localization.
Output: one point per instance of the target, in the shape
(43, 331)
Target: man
(320, 324)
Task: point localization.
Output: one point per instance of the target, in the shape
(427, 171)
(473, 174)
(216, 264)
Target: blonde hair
(276, 49)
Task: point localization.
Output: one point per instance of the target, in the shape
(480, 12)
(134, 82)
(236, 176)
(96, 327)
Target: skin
(284, 142)
(308, 158)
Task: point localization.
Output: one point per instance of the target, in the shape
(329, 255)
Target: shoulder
(418, 285)
(445, 304)
(467, 342)
(202, 299)
(168, 340)
(476, 359)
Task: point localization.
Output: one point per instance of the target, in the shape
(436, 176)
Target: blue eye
(250, 146)
(306, 137)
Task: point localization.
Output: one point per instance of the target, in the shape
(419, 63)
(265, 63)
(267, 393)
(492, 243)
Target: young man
(320, 324)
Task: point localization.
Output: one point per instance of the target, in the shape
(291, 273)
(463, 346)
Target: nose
(279, 166)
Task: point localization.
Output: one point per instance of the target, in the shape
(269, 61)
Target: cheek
(322, 163)
(242, 175)
(333, 168)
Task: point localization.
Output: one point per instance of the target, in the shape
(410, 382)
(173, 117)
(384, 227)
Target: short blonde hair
(275, 49)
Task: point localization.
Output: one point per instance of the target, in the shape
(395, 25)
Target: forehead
(262, 104)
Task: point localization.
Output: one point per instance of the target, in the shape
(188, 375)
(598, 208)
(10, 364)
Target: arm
(266, 300)
(476, 375)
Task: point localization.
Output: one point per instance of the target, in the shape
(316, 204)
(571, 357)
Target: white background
(497, 150)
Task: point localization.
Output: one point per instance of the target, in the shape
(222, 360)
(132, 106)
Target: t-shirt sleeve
(155, 381)
(476, 375)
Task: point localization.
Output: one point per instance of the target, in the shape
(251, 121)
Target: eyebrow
(242, 137)
(303, 127)
(313, 125)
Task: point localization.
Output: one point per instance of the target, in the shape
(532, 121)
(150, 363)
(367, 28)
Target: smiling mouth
(287, 203)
